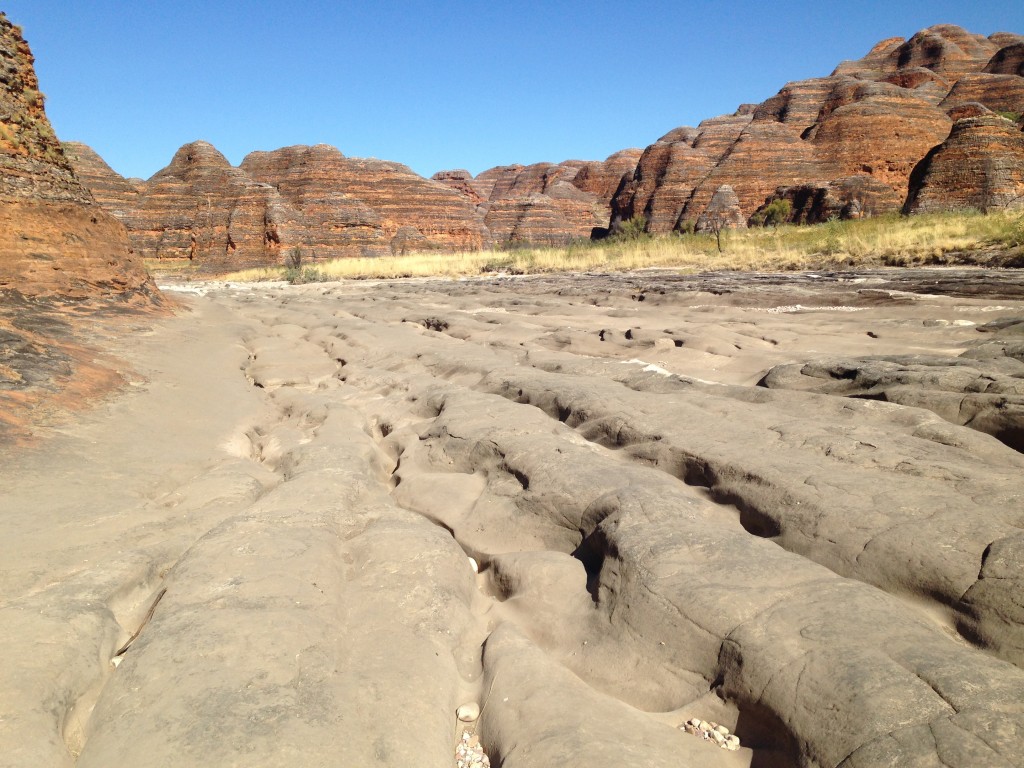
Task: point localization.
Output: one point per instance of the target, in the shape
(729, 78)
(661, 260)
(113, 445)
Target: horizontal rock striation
(850, 197)
(55, 239)
(850, 140)
(980, 165)
(397, 197)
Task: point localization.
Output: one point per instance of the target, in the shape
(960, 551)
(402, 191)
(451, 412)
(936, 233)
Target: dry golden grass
(962, 237)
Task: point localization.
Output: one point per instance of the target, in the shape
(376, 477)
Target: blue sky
(438, 84)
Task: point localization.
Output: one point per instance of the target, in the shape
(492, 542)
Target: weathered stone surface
(390, 193)
(406, 497)
(111, 190)
(203, 210)
(1008, 60)
(945, 49)
(765, 156)
(662, 184)
(540, 204)
(461, 181)
(845, 198)
(980, 165)
(603, 178)
(983, 394)
(533, 219)
(717, 135)
(723, 212)
(1000, 93)
(878, 129)
(54, 238)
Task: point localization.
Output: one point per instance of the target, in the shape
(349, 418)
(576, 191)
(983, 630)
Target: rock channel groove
(317, 515)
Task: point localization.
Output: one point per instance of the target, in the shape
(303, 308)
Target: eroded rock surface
(561, 500)
(855, 136)
(54, 239)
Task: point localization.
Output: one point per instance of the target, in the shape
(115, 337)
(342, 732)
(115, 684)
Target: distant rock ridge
(848, 144)
(55, 240)
(843, 144)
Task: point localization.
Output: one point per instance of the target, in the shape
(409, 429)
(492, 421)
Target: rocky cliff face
(552, 203)
(320, 180)
(846, 143)
(54, 238)
(203, 210)
(980, 165)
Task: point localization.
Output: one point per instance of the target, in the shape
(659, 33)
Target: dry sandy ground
(265, 550)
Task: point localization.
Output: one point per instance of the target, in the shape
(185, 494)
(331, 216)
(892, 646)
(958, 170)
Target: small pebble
(709, 731)
(474, 565)
(468, 712)
(469, 753)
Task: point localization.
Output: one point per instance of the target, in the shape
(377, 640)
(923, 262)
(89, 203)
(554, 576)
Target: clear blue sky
(437, 84)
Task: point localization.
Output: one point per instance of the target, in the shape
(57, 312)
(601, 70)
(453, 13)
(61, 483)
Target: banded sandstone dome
(55, 240)
(862, 141)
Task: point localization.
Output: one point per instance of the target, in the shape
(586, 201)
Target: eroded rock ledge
(569, 507)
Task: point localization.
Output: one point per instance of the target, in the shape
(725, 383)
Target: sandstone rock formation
(462, 181)
(202, 210)
(849, 140)
(850, 197)
(723, 212)
(545, 203)
(310, 177)
(54, 238)
(980, 165)
(1008, 60)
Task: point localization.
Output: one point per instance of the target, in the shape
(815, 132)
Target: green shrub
(633, 229)
(778, 212)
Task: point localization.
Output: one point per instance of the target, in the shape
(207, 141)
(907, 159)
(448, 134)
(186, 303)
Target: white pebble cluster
(469, 753)
(711, 732)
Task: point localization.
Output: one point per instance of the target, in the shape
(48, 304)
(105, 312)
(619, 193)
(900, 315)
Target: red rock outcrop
(766, 155)
(534, 219)
(603, 178)
(877, 129)
(111, 190)
(945, 49)
(203, 210)
(663, 182)
(54, 238)
(540, 204)
(831, 143)
(1008, 60)
(461, 181)
(846, 198)
(723, 212)
(1000, 93)
(397, 197)
(980, 165)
